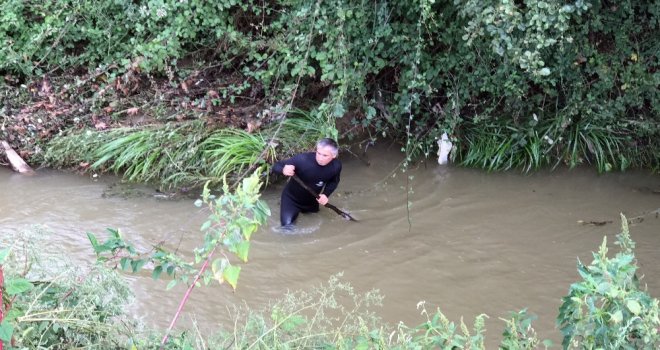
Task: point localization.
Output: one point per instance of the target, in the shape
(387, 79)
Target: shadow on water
(463, 240)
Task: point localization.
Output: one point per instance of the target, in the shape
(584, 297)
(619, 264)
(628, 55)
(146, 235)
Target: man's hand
(289, 170)
(323, 199)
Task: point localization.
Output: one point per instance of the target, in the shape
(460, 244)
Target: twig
(185, 298)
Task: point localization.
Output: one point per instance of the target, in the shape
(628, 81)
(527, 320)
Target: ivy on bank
(584, 70)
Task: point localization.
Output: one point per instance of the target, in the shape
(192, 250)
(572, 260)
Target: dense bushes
(570, 82)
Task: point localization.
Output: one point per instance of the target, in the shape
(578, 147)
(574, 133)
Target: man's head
(326, 151)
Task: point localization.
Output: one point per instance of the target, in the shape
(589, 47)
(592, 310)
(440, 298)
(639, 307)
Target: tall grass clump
(496, 145)
(232, 152)
(159, 153)
(184, 154)
(300, 131)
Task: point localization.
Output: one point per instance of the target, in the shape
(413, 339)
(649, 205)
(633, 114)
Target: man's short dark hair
(328, 142)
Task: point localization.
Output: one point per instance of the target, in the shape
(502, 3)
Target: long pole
(344, 214)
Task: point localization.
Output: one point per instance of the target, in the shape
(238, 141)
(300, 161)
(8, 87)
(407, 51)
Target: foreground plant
(608, 310)
(234, 217)
(49, 302)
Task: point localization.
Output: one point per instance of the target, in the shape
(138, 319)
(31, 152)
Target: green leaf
(248, 227)
(634, 306)
(242, 250)
(14, 313)
(17, 286)
(157, 271)
(6, 331)
(230, 274)
(125, 263)
(338, 110)
(93, 241)
(217, 267)
(617, 316)
(136, 265)
(206, 225)
(114, 233)
(3, 255)
(362, 344)
(171, 284)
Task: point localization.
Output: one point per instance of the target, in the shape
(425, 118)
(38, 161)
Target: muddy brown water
(471, 242)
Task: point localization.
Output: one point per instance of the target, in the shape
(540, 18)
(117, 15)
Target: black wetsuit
(322, 179)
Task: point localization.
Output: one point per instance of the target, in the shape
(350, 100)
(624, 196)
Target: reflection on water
(460, 239)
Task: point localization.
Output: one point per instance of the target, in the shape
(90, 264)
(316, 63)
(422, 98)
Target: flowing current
(463, 240)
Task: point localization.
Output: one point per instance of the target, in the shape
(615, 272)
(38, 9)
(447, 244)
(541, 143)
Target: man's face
(324, 155)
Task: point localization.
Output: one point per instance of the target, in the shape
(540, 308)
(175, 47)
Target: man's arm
(285, 167)
(331, 185)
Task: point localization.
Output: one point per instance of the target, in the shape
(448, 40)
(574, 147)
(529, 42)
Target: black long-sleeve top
(322, 179)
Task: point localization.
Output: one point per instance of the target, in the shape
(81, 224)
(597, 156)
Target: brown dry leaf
(108, 109)
(119, 86)
(253, 125)
(101, 126)
(213, 94)
(46, 88)
(184, 86)
(133, 111)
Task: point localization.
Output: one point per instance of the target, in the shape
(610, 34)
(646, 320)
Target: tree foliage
(544, 74)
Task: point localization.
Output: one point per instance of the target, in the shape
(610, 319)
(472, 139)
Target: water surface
(470, 242)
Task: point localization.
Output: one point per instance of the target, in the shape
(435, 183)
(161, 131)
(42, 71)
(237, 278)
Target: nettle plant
(234, 217)
(607, 309)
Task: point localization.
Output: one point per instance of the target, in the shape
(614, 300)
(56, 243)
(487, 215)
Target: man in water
(319, 170)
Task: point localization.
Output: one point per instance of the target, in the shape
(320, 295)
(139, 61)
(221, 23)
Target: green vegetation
(522, 85)
(608, 310)
(182, 154)
(183, 92)
(50, 302)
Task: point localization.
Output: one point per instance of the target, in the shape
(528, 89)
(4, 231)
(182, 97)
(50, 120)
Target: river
(470, 242)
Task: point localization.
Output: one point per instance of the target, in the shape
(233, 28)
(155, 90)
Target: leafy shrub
(55, 303)
(608, 310)
(409, 70)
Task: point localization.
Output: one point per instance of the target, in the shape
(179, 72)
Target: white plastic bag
(444, 147)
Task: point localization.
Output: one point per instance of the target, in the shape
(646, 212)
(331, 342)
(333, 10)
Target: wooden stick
(344, 214)
(17, 163)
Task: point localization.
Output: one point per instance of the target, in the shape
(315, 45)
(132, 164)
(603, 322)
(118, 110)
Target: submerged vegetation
(521, 85)
(49, 303)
